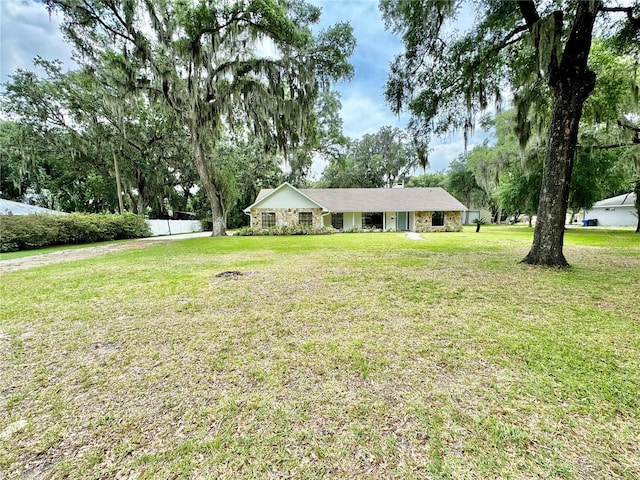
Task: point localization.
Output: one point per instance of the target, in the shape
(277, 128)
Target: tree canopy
(377, 160)
(73, 135)
(251, 67)
(539, 50)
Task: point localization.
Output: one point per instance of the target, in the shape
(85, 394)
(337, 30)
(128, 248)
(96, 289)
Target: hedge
(25, 232)
(285, 230)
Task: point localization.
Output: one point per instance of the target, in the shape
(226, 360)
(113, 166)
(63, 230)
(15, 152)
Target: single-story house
(619, 211)
(8, 207)
(404, 209)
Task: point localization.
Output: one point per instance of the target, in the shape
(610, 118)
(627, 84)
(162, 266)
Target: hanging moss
(547, 35)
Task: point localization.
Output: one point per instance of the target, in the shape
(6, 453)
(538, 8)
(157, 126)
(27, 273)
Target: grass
(343, 356)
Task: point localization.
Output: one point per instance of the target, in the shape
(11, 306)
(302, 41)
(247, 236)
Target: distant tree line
(205, 132)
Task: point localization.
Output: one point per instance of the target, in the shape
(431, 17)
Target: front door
(402, 220)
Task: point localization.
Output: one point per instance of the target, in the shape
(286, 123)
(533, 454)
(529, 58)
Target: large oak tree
(249, 65)
(445, 79)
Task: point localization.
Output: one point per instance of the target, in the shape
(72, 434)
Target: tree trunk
(141, 205)
(214, 198)
(571, 83)
(548, 237)
(118, 184)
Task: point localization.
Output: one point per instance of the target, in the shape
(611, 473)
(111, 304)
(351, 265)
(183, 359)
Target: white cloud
(364, 109)
(444, 150)
(27, 30)
(362, 114)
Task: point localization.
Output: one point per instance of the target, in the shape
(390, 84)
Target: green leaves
(252, 67)
(444, 78)
(377, 160)
(616, 82)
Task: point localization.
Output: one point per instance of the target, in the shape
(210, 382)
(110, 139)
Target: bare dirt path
(87, 252)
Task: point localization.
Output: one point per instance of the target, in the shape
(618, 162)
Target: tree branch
(508, 40)
(529, 12)
(634, 143)
(629, 126)
(89, 11)
(211, 30)
(635, 22)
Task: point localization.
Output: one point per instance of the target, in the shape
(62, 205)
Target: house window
(305, 218)
(268, 219)
(437, 219)
(337, 220)
(372, 220)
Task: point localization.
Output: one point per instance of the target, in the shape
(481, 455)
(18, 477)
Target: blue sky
(27, 30)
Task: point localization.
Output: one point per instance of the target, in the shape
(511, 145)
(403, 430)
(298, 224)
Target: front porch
(394, 221)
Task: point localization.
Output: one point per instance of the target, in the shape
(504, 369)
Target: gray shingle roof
(380, 199)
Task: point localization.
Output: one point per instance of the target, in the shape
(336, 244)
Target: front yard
(341, 356)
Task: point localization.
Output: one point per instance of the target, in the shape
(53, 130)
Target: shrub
(24, 232)
(285, 230)
(479, 222)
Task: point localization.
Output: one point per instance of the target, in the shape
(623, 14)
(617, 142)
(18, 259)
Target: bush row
(24, 232)
(285, 230)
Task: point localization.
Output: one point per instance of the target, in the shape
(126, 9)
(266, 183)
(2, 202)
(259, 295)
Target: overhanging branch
(634, 143)
(529, 12)
(635, 22)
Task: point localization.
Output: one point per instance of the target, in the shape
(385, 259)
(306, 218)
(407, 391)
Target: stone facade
(285, 216)
(452, 222)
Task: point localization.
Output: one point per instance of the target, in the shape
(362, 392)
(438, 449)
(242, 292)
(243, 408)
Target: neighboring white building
(8, 207)
(617, 211)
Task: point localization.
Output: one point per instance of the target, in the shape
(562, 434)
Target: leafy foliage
(285, 230)
(462, 184)
(202, 61)
(25, 232)
(537, 49)
(71, 133)
(376, 160)
(436, 179)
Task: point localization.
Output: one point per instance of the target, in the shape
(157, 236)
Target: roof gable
(285, 196)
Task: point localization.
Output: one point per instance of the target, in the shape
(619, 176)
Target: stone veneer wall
(452, 222)
(285, 216)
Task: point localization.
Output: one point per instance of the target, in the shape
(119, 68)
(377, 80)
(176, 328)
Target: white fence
(173, 227)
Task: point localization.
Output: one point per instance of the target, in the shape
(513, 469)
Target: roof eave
(285, 184)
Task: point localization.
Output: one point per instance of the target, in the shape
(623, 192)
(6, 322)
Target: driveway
(59, 256)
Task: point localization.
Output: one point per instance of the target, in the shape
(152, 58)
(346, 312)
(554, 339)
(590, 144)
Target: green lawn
(342, 356)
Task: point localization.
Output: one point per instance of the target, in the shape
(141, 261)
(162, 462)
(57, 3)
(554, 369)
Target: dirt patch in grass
(234, 274)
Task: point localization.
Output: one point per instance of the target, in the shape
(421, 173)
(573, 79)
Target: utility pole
(118, 187)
